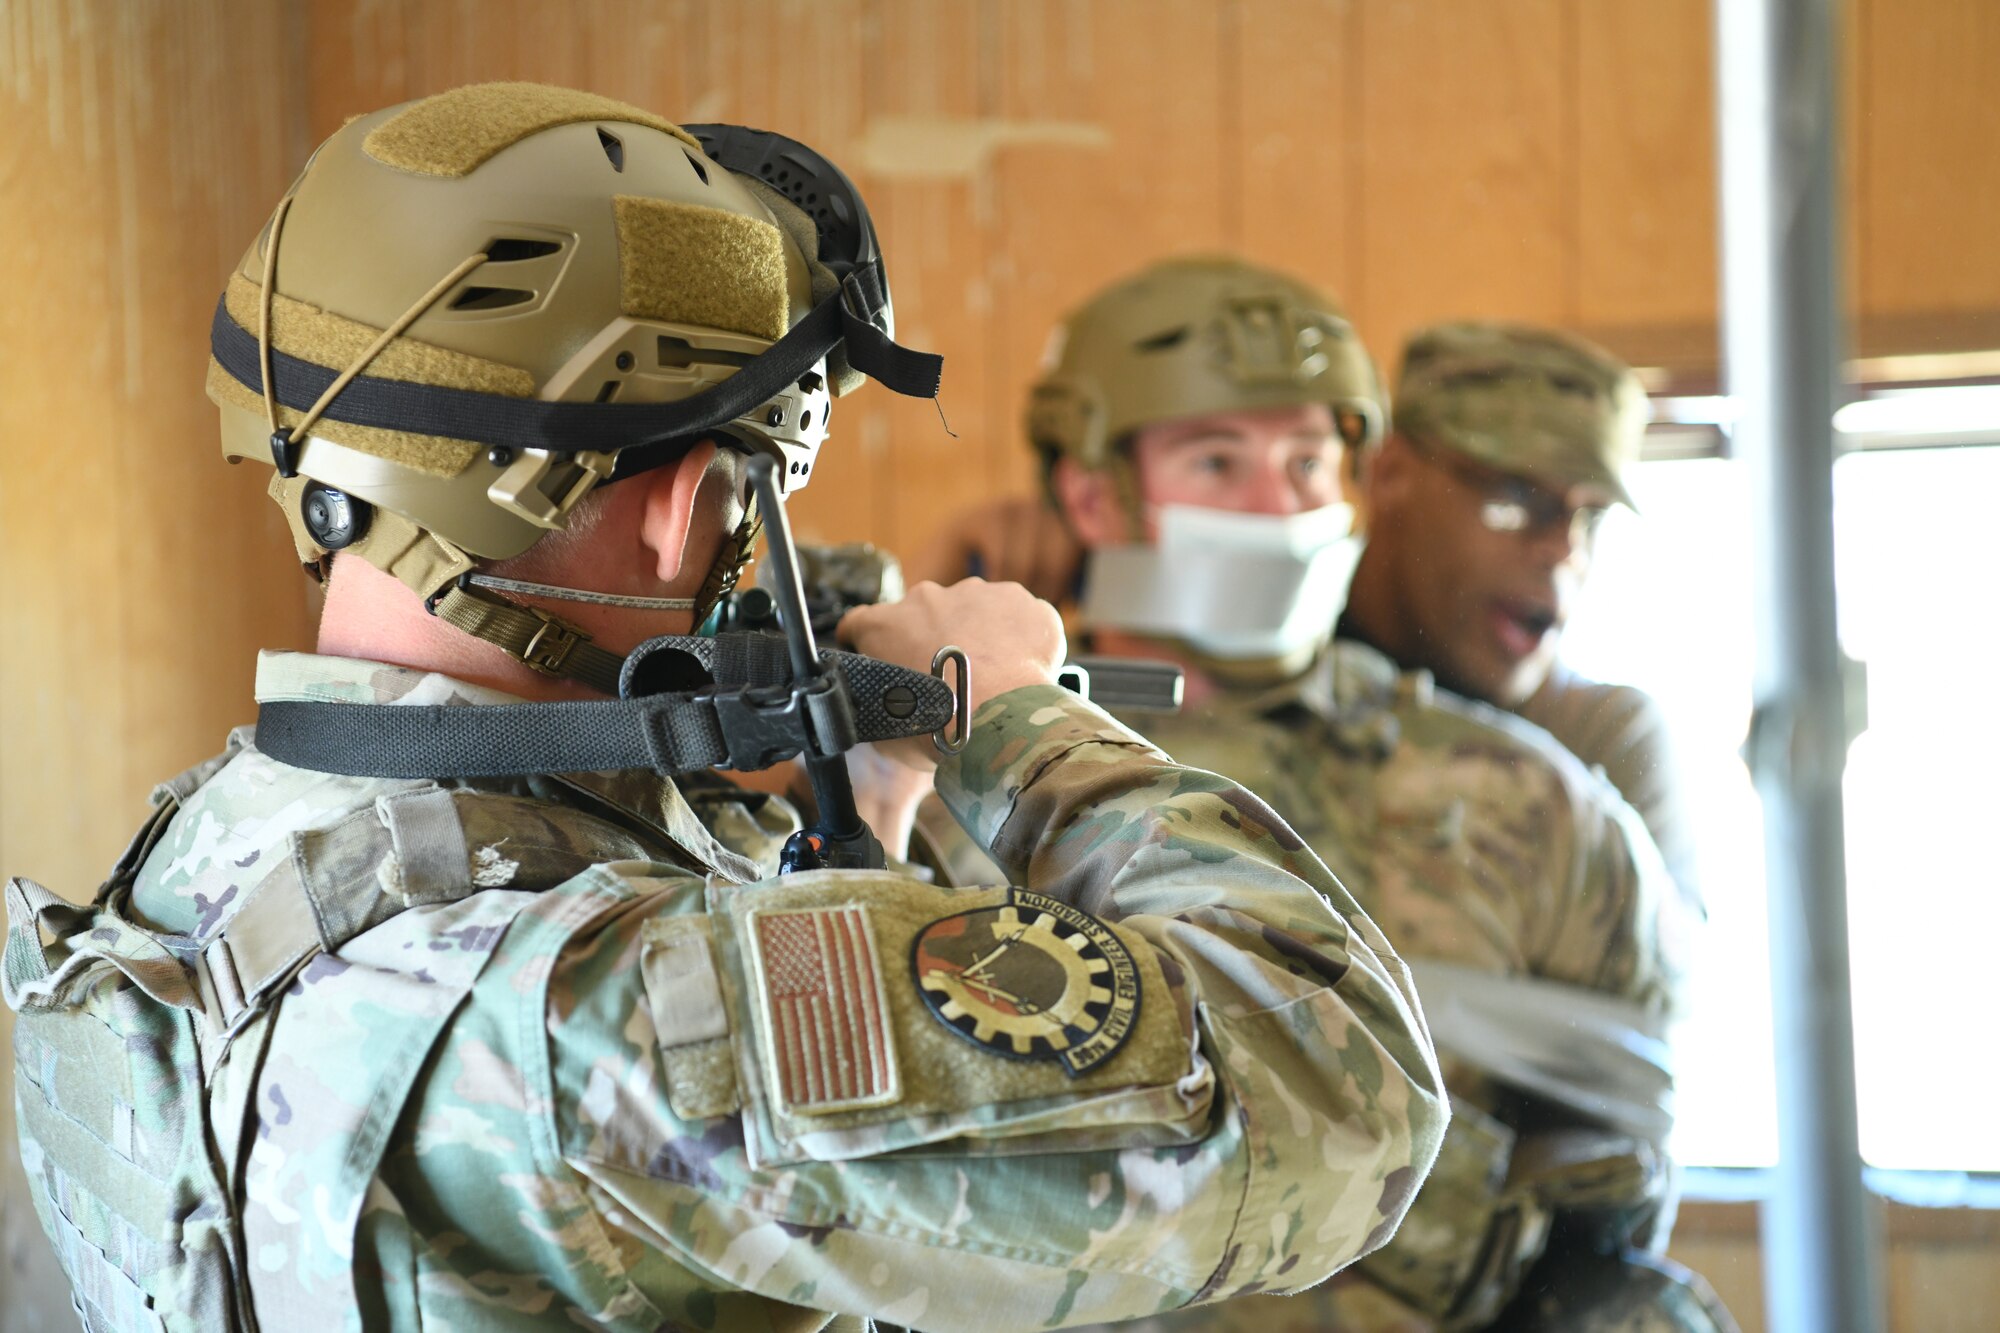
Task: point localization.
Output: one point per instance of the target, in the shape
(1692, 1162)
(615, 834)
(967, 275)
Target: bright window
(1669, 609)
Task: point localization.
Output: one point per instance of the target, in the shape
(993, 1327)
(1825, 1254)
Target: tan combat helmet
(472, 309)
(1541, 404)
(1194, 335)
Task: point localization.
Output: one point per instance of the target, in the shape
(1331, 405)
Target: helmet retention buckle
(550, 646)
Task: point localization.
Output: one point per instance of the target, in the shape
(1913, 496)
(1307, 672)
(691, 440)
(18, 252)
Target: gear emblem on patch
(1030, 979)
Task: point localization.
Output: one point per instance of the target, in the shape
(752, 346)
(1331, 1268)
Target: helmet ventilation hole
(699, 169)
(608, 390)
(1160, 342)
(511, 249)
(614, 148)
(490, 298)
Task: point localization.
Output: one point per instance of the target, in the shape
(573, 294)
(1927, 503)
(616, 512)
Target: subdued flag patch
(825, 1017)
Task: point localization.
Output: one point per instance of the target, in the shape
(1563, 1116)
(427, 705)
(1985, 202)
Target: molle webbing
(435, 410)
(451, 133)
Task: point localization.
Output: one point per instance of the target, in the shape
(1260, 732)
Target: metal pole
(1782, 340)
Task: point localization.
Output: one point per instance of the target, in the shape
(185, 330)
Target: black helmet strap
(528, 423)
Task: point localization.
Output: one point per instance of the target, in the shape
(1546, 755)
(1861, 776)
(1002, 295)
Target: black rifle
(840, 839)
(1119, 683)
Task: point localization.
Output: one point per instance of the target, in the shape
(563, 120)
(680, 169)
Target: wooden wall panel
(1295, 159)
(1938, 1273)
(1645, 164)
(1120, 161)
(1466, 152)
(1732, 1267)
(929, 132)
(140, 574)
(1929, 156)
(1944, 1288)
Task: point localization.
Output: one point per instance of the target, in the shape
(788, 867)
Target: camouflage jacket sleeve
(1175, 1064)
(1623, 927)
(1622, 731)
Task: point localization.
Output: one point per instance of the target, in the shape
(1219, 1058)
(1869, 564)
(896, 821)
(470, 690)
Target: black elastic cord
(529, 423)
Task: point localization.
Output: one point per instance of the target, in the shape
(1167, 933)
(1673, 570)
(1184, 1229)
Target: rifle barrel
(790, 590)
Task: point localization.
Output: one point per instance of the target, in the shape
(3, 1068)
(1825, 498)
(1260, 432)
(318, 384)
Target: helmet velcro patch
(336, 342)
(690, 264)
(451, 133)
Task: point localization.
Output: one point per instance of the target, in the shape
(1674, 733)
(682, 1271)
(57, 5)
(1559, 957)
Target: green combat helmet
(1189, 336)
(1250, 595)
(472, 309)
(1543, 405)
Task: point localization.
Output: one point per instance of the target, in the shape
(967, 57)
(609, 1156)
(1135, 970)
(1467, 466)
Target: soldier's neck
(372, 616)
(1372, 615)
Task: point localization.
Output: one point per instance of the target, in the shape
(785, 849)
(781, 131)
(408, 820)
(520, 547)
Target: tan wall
(1939, 1275)
(1543, 159)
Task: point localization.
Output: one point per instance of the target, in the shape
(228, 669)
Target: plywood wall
(1538, 159)
(1939, 1273)
(139, 574)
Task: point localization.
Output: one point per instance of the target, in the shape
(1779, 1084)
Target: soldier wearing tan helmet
(1199, 425)
(1510, 444)
(461, 993)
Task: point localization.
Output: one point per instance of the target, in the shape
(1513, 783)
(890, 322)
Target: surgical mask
(1232, 585)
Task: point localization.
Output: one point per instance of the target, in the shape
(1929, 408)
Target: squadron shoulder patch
(1032, 979)
(826, 1019)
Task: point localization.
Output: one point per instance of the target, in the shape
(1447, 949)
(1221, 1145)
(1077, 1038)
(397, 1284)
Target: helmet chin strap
(581, 595)
(553, 646)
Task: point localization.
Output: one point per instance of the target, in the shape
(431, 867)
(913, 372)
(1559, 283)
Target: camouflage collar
(653, 801)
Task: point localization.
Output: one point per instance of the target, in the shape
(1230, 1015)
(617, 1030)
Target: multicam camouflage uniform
(1472, 838)
(1621, 730)
(549, 1075)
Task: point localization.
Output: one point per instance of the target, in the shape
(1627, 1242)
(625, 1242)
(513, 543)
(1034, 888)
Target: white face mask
(1232, 585)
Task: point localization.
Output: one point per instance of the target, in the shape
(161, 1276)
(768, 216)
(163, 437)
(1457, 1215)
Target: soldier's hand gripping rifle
(836, 579)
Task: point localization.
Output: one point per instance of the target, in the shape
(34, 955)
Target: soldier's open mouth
(1521, 626)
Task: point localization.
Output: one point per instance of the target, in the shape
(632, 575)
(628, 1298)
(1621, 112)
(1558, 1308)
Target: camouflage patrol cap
(1191, 336)
(1541, 404)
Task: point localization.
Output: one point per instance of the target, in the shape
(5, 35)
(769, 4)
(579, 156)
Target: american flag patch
(826, 1019)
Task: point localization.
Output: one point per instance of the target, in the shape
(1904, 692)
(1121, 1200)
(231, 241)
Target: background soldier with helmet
(1198, 424)
(1507, 445)
(400, 1012)
(1510, 444)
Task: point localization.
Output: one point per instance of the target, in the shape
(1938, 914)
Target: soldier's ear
(682, 519)
(1090, 504)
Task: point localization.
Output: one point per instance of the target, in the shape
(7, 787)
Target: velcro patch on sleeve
(825, 1018)
(682, 987)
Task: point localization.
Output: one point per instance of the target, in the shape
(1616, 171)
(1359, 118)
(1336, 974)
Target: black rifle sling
(742, 713)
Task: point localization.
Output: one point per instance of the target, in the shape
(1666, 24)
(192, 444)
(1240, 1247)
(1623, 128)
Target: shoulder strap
(335, 884)
(749, 716)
